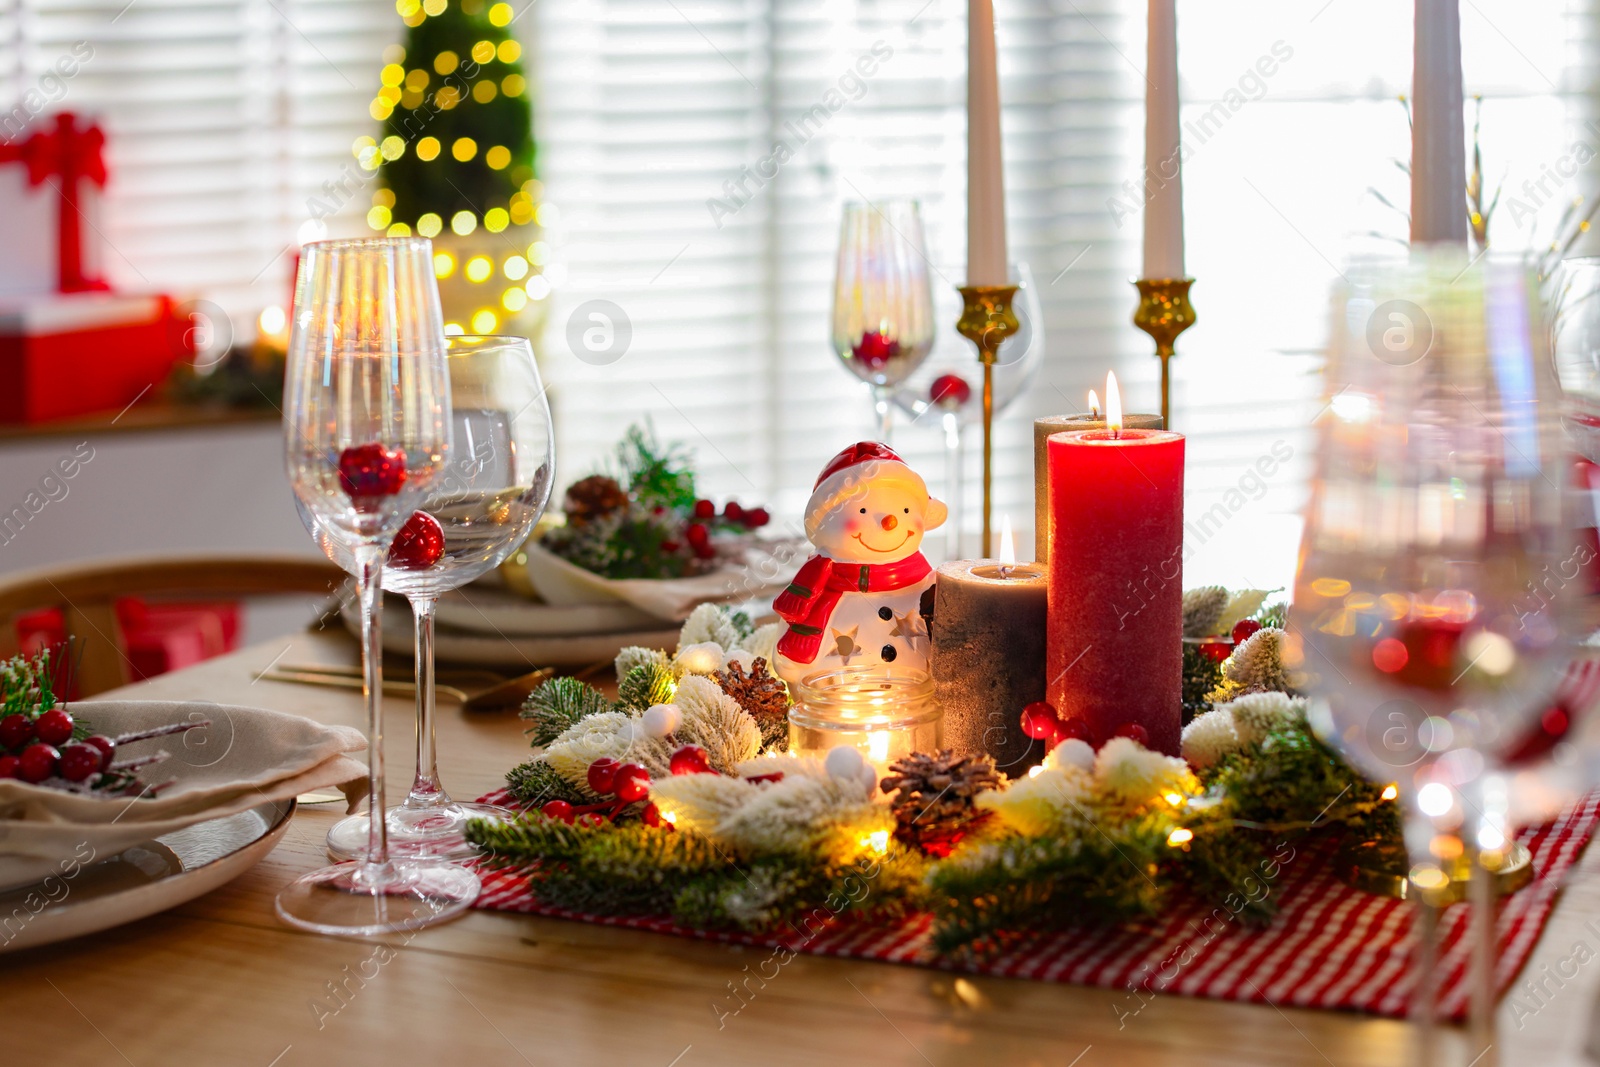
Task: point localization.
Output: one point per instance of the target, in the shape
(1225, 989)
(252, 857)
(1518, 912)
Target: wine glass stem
(1420, 833)
(881, 406)
(425, 789)
(369, 584)
(1488, 844)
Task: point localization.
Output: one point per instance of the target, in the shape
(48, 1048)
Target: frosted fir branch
(158, 731)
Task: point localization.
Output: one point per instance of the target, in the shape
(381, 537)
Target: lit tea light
(882, 713)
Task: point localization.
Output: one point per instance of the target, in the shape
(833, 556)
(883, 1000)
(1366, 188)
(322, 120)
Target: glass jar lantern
(886, 713)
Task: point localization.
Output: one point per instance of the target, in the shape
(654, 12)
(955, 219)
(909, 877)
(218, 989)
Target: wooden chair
(86, 594)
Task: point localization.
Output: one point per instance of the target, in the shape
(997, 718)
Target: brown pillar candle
(1053, 424)
(988, 657)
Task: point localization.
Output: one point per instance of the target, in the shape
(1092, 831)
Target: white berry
(844, 762)
(1074, 752)
(660, 720)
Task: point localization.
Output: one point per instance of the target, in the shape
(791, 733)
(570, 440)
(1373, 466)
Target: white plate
(495, 612)
(147, 878)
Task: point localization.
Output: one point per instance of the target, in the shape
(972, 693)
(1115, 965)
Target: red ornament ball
(950, 391)
(875, 349)
(10, 767)
(15, 731)
(603, 775)
(54, 727)
(37, 762)
(1243, 629)
(691, 759)
(368, 473)
(1133, 731)
(651, 815)
(632, 782)
(756, 518)
(419, 544)
(79, 761)
(1216, 651)
(105, 746)
(1039, 721)
(704, 509)
(558, 809)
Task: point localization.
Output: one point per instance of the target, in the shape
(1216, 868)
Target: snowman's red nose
(889, 522)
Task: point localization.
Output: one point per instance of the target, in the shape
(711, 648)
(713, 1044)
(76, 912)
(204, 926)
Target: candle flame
(1113, 403)
(1008, 543)
(1094, 403)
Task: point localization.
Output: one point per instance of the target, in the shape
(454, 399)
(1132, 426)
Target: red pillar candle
(1115, 630)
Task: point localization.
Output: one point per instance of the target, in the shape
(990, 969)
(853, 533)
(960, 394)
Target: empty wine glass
(493, 488)
(883, 323)
(1435, 509)
(366, 430)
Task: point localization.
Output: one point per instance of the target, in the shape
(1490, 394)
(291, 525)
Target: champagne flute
(484, 504)
(366, 431)
(1435, 508)
(882, 298)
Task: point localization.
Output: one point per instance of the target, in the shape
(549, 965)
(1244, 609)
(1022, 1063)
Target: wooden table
(219, 981)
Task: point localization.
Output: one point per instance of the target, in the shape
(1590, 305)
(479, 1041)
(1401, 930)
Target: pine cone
(594, 498)
(934, 797)
(766, 699)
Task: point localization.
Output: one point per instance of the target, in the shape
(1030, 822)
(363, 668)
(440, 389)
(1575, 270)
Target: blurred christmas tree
(455, 156)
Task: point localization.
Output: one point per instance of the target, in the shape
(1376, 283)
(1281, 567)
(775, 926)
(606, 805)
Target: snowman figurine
(857, 603)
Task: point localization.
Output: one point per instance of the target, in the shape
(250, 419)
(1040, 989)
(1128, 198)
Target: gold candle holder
(1164, 312)
(987, 320)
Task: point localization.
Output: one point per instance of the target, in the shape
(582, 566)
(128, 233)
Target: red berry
(632, 782)
(651, 815)
(950, 391)
(1216, 651)
(704, 509)
(1039, 720)
(697, 534)
(670, 547)
(10, 767)
(15, 731)
(756, 518)
(54, 727)
(690, 759)
(419, 544)
(732, 511)
(1243, 629)
(37, 762)
(106, 747)
(558, 809)
(1133, 731)
(603, 775)
(368, 473)
(1072, 729)
(79, 761)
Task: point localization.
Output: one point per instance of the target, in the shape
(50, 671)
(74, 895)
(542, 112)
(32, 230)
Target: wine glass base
(362, 899)
(435, 832)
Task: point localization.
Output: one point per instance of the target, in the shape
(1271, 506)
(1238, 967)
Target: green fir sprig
(556, 705)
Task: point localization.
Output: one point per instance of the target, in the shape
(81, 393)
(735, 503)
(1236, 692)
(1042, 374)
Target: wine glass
(366, 430)
(1435, 509)
(946, 391)
(492, 490)
(882, 299)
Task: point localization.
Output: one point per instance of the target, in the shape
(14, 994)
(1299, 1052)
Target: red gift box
(67, 354)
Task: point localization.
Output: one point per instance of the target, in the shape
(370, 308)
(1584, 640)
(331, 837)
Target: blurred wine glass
(484, 504)
(1436, 509)
(883, 322)
(366, 421)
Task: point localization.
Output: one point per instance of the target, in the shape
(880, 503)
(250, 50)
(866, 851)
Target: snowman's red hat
(847, 475)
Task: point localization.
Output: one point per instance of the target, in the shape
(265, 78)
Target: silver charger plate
(147, 878)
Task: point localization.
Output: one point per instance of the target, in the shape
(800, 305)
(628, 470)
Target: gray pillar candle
(988, 657)
(1042, 429)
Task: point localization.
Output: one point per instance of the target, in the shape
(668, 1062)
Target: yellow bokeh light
(411, 99)
(407, 8)
(514, 299)
(444, 264)
(447, 98)
(414, 19)
(521, 212)
(1179, 837)
(546, 214)
(539, 253)
(369, 159)
(429, 225)
(483, 51)
(510, 51)
(434, 7)
(515, 267)
(478, 268)
(1390, 791)
(496, 219)
(394, 53)
(464, 149)
(417, 79)
(399, 229)
(484, 91)
(393, 147)
(389, 95)
(538, 287)
(378, 218)
(427, 148)
(380, 110)
(463, 222)
(500, 15)
(446, 62)
(383, 197)
(513, 84)
(484, 321)
(497, 157)
(533, 187)
(360, 143)
(392, 74)
(272, 320)
(453, 329)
